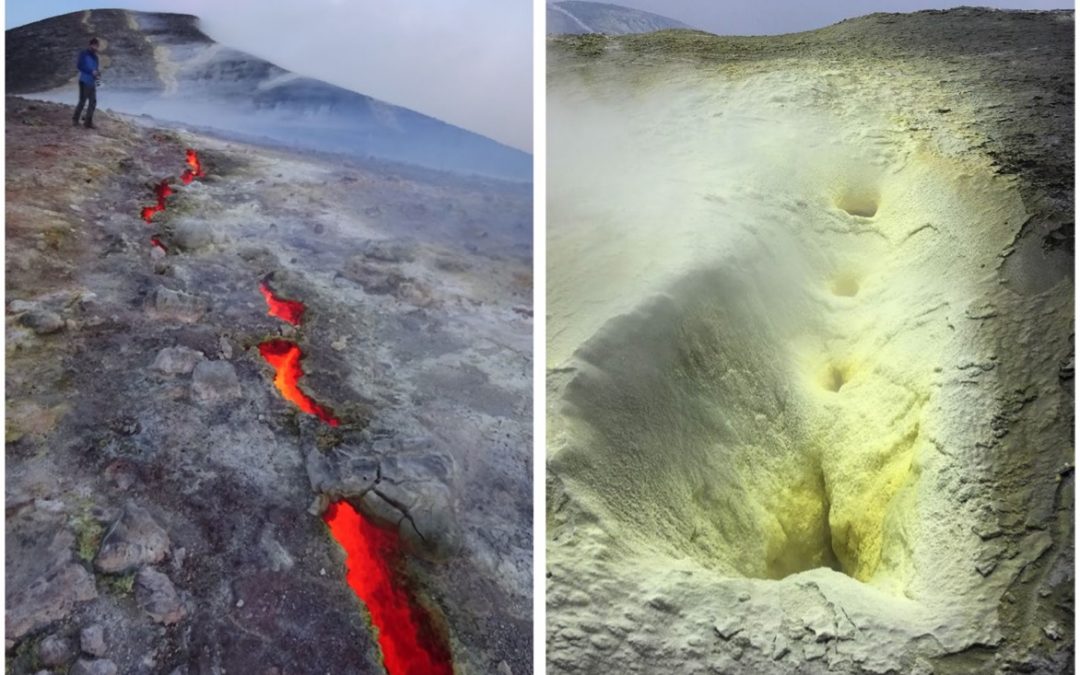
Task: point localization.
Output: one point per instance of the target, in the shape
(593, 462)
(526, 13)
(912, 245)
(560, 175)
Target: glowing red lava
(286, 310)
(373, 557)
(156, 243)
(161, 191)
(284, 357)
(149, 211)
(194, 169)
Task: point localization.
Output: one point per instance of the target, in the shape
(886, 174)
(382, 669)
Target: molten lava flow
(149, 211)
(194, 169)
(161, 191)
(284, 357)
(155, 242)
(410, 645)
(286, 310)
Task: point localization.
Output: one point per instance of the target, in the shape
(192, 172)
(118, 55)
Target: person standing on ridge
(87, 64)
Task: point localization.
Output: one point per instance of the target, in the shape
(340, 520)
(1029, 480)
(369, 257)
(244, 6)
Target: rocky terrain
(162, 65)
(163, 498)
(574, 17)
(811, 348)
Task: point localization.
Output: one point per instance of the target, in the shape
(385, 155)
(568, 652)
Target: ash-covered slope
(163, 65)
(811, 391)
(161, 491)
(575, 17)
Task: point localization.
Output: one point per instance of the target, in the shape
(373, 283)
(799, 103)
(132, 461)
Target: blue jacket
(87, 64)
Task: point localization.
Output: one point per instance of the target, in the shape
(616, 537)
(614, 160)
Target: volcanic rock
(276, 554)
(448, 264)
(342, 472)
(388, 250)
(214, 381)
(192, 235)
(177, 360)
(1053, 631)
(135, 539)
(50, 597)
(157, 596)
(20, 306)
(92, 640)
(28, 417)
(728, 626)
(417, 485)
(179, 305)
(45, 584)
(406, 489)
(93, 667)
(42, 322)
(55, 651)
(375, 278)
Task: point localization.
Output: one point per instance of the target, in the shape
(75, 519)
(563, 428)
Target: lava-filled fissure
(374, 560)
(284, 357)
(290, 311)
(194, 169)
(149, 211)
(161, 191)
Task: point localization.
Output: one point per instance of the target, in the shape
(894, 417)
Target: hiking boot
(90, 125)
(75, 121)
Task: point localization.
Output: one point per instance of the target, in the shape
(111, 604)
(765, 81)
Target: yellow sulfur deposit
(785, 361)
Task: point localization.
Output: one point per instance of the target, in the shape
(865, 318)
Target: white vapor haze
(467, 62)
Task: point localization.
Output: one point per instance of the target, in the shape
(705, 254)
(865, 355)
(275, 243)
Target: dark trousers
(87, 93)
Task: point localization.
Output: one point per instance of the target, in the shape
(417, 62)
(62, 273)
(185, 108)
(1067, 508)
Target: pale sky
(772, 17)
(467, 62)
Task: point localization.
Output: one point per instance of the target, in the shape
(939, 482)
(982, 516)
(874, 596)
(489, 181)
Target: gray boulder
(55, 651)
(42, 322)
(135, 539)
(403, 484)
(92, 640)
(191, 235)
(179, 305)
(50, 597)
(389, 250)
(157, 596)
(214, 381)
(93, 667)
(20, 306)
(177, 360)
